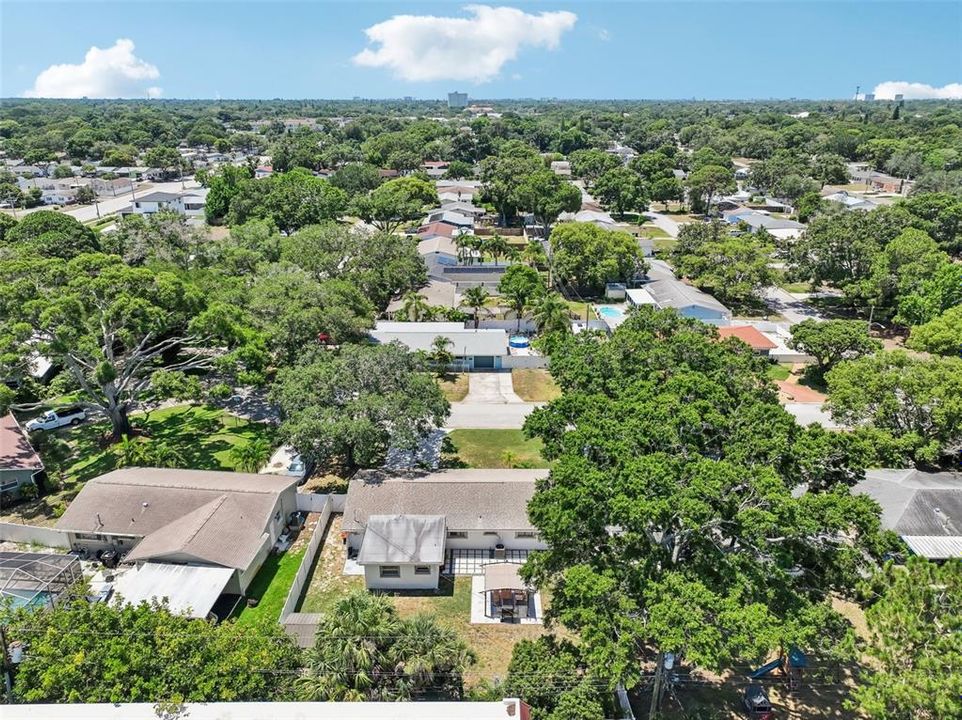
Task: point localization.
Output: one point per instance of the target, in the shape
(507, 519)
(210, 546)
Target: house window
(390, 571)
(525, 534)
(457, 534)
(490, 532)
(422, 570)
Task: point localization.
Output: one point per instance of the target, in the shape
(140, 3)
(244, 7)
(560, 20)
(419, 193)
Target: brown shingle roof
(16, 452)
(213, 517)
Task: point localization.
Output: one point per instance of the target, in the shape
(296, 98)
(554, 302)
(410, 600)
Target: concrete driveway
(792, 308)
(491, 387)
(491, 403)
(664, 222)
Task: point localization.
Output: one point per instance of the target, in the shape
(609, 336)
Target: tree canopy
(352, 405)
(669, 514)
(587, 256)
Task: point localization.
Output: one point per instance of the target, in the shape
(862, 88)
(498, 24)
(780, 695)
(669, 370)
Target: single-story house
(438, 248)
(438, 229)
(851, 201)
(749, 335)
(189, 202)
(393, 522)
(595, 217)
(462, 207)
(19, 463)
(436, 294)
(689, 301)
(197, 518)
(472, 349)
(924, 508)
(449, 217)
(778, 227)
(561, 167)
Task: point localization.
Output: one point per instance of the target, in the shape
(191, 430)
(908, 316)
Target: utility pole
(656, 690)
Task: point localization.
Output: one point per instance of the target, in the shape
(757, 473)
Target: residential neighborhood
(498, 399)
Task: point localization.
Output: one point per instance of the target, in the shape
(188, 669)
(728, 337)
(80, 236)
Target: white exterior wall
(477, 540)
(407, 581)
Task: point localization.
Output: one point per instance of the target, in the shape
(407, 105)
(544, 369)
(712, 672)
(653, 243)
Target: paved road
(498, 416)
(784, 303)
(808, 413)
(664, 222)
(108, 205)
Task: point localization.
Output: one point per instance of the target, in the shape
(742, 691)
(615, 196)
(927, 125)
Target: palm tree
(464, 242)
(415, 307)
(550, 314)
(440, 356)
(518, 302)
(534, 254)
(131, 451)
(252, 456)
(160, 454)
(474, 298)
(496, 246)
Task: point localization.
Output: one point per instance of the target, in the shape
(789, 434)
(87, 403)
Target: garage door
(484, 362)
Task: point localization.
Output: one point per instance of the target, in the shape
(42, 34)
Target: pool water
(610, 312)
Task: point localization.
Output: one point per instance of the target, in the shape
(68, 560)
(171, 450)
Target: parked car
(53, 419)
(300, 469)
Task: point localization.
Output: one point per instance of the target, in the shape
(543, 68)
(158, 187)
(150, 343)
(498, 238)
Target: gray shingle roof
(464, 341)
(403, 539)
(671, 293)
(468, 499)
(924, 508)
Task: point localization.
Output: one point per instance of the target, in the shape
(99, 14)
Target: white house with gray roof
(483, 349)
(396, 523)
(924, 508)
(668, 292)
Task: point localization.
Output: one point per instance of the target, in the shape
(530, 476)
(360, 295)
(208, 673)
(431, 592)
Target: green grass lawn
(779, 371)
(201, 436)
(534, 385)
(653, 231)
(270, 587)
(494, 449)
(454, 386)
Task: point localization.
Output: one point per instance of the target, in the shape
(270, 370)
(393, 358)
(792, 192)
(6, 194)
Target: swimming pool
(609, 311)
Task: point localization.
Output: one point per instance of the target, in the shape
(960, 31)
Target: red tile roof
(748, 335)
(16, 452)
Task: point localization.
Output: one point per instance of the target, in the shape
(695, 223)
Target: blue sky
(810, 49)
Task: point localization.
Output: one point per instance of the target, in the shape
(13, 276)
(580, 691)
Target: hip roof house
(186, 517)
(925, 509)
(19, 462)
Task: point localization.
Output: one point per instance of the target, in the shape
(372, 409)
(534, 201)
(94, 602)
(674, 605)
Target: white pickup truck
(53, 419)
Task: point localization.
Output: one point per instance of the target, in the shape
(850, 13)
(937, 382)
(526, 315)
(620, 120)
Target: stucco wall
(407, 581)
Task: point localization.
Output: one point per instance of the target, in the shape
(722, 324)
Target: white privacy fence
(325, 505)
(31, 534)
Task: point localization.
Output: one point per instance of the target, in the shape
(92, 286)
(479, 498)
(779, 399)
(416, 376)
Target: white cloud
(917, 91)
(105, 73)
(423, 48)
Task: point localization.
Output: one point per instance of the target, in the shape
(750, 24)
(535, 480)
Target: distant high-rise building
(899, 97)
(457, 100)
(869, 97)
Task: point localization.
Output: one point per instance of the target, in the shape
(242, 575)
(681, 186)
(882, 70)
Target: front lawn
(779, 371)
(201, 437)
(492, 449)
(270, 587)
(534, 385)
(454, 386)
